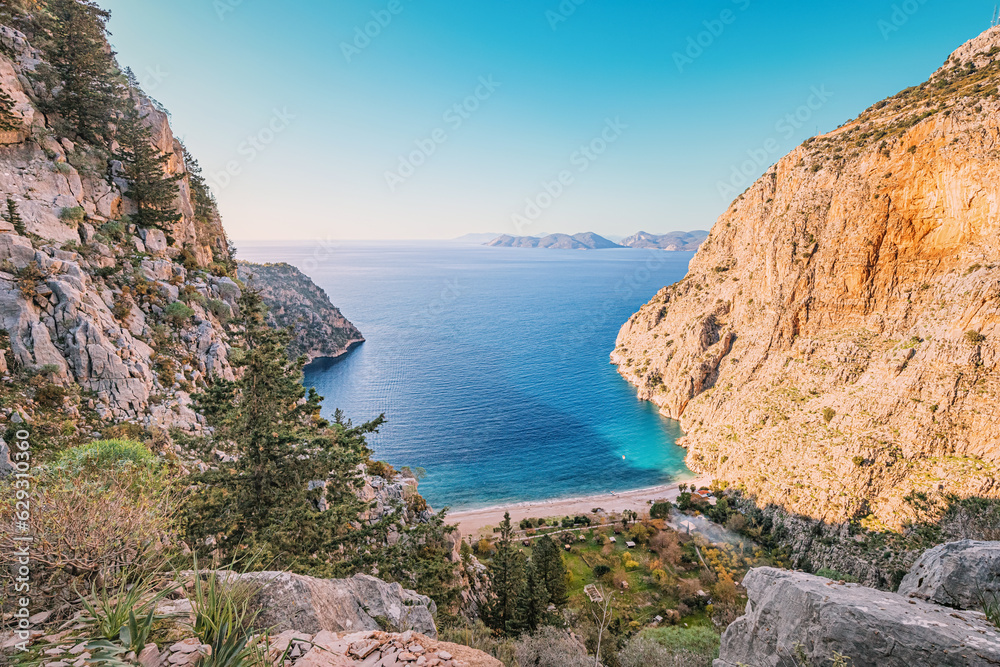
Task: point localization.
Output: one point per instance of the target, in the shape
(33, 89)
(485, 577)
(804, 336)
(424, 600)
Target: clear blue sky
(303, 137)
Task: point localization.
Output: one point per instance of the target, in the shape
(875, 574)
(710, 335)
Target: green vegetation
(973, 337)
(828, 414)
(73, 215)
(836, 576)
(14, 217)
(178, 312)
(8, 119)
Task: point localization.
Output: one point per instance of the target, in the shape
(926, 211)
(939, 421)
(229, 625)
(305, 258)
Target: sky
(430, 119)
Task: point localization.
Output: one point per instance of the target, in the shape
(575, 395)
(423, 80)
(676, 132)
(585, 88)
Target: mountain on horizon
(676, 241)
(582, 241)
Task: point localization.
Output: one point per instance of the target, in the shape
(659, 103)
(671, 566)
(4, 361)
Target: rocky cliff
(833, 348)
(85, 295)
(294, 300)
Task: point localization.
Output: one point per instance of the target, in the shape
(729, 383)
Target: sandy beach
(472, 522)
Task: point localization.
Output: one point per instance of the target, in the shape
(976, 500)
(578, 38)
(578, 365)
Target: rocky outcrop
(294, 602)
(834, 347)
(793, 618)
(958, 574)
(83, 292)
(294, 300)
(673, 241)
(585, 241)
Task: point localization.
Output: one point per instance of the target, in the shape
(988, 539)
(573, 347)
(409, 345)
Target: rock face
(674, 241)
(295, 301)
(794, 618)
(957, 574)
(585, 241)
(82, 291)
(834, 346)
(294, 602)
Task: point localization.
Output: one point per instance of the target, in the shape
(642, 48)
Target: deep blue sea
(492, 365)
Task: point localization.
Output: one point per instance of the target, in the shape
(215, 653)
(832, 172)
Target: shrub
(114, 230)
(858, 461)
(643, 651)
(660, 510)
(829, 573)
(64, 168)
(550, 647)
(601, 570)
(829, 414)
(73, 215)
(92, 516)
(222, 311)
(698, 641)
(178, 312)
(50, 395)
(28, 279)
(973, 337)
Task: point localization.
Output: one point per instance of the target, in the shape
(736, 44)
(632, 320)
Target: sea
(491, 365)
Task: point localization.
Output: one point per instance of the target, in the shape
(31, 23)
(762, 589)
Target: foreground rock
(294, 602)
(795, 618)
(956, 575)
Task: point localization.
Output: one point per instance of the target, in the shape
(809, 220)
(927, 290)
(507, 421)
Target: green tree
(551, 570)
(205, 206)
(81, 67)
(14, 217)
(8, 119)
(532, 602)
(263, 501)
(144, 169)
(506, 575)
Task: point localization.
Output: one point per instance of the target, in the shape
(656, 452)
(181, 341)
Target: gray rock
(306, 604)
(793, 612)
(956, 574)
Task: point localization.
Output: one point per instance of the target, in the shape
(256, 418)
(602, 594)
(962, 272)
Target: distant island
(674, 241)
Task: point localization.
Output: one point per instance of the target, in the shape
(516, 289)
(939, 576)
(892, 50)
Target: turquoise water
(491, 365)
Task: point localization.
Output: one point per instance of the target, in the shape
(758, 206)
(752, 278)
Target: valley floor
(474, 523)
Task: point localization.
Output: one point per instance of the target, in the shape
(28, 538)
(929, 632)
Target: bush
(105, 455)
(64, 168)
(973, 337)
(698, 643)
(50, 396)
(829, 573)
(92, 515)
(601, 570)
(829, 414)
(178, 312)
(114, 230)
(73, 215)
(660, 510)
(550, 647)
(220, 309)
(642, 651)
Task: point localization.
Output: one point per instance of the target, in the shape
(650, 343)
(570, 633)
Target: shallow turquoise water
(491, 365)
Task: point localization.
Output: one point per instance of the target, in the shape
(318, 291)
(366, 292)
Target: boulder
(797, 618)
(957, 574)
(294, 602)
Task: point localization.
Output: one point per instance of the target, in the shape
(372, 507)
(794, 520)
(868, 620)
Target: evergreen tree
(532, 602)
(143, 167)
(205, 207)
(81, 67)
(262, 501)
(8, 119)
(14, 217)
(551, 570)
(506, 575)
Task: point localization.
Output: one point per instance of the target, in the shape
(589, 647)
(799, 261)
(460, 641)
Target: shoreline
(471, 523)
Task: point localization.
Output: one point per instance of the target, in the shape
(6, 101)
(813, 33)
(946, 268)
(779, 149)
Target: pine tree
(144, 167)
(506, 575)
(552, 570)
(81, 67)
(262, 501)
(8, 119)
(205, 206)
(532, 602)
(14, 217)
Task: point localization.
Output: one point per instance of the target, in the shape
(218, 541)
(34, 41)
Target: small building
(526, 543)
(613, 540)
(630, 545)
(567, 547)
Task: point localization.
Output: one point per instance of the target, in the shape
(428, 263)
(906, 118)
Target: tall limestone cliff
(84, 294)
(834, 346)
